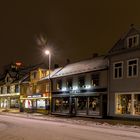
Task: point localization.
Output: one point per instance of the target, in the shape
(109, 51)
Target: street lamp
(47, 52)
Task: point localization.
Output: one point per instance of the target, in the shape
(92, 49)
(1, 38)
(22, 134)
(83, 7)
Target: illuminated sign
(34, 96)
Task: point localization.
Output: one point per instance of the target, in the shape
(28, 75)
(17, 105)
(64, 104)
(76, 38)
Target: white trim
(133, 76)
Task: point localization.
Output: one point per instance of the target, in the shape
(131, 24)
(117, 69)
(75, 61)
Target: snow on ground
(76, 120)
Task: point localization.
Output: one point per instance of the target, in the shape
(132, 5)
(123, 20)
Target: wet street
(16, 128)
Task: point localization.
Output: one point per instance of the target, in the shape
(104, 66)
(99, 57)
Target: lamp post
(47, 52)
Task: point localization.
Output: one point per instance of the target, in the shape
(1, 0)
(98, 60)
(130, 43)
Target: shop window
(14, 103)
(65, 105)
(95, 79)
(118, 70)
(41, 104)
(132, 68)
(69, 83)
(81, 82)
(123, 104)
(58, 105)
(137, 104)
(94, 106)
(59, 85)
(132, 41)
(61, 105)
(81, 105)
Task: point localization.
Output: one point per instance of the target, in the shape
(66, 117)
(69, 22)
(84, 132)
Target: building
(124, 76)
(10, 88)
(35, 92)
(80, 88)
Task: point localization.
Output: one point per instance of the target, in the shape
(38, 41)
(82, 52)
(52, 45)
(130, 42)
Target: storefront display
(128, 104)
(41, 104)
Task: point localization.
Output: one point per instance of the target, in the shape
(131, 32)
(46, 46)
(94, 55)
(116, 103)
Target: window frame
(132, 37)
(118, 70)
(133, 76)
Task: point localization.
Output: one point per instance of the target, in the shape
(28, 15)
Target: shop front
(87, 104)
(9, 101)
(127, 104)
(61, 104)
(35, 103)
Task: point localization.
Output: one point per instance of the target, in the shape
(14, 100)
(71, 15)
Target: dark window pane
(81, 82)
(135, 70)
(120, 72)
(130, 43)
(130, 71)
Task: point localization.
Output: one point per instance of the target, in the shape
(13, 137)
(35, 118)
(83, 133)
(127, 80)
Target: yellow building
(35, 95)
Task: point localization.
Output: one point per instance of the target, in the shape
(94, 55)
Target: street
(17, 128)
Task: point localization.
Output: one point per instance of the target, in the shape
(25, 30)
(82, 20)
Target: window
(16, 89)
(132, 68)
(8, 89)
(59, 85)
(1, 90)
(123, 104)
(95, 79)
(118, 70)
(133, 41)
(128, 103)
(81, 82)
(69, 83)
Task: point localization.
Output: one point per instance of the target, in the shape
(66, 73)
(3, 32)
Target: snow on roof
(93, 64)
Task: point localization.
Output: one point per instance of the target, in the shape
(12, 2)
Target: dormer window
(133, 41)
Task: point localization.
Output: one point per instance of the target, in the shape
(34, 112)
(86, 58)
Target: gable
(8, 79)
(131, 40)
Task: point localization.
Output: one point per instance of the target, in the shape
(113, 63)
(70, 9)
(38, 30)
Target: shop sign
(34, 96)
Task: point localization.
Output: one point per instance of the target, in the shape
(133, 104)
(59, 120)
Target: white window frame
(133, 76)
(132, 37)
(118, 72)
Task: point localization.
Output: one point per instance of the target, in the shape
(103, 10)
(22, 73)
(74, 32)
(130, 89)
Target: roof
(93, 64)
(120, 44)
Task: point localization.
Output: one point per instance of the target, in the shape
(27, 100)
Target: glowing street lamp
(47, 52)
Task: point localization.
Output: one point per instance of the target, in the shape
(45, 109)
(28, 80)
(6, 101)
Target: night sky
(74, 29)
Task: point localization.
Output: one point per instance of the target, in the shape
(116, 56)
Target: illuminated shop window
(128, 104)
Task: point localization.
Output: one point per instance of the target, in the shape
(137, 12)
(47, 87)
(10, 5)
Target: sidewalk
(115, 123)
